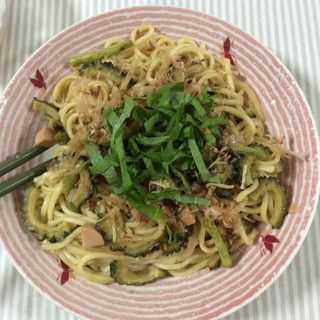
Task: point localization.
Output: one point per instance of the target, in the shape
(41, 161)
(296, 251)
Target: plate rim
(192, 12)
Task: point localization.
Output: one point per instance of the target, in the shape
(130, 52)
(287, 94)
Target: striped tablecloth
(289, 28)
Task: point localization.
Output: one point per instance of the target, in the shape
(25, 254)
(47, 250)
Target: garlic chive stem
(99, 54)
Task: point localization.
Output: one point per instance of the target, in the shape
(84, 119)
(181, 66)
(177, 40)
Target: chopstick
(25, 177)
(20, 158)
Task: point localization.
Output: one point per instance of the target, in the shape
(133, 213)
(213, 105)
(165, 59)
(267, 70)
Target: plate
(206, 294)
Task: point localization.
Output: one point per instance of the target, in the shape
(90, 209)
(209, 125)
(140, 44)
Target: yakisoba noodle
(244, 151)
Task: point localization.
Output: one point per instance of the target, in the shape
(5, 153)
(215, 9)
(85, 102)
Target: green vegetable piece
(122, 274)
(246, 154)
(102, 71)
(34, 224)
(132, 248)
(51, 115)
(118, 245)
(204, 172)
(129, 248)
(99, 54)
(69, 183)
(46, 108)
(172, 247)
(179, 239)
(280, 199)
(150, 211)
(78, 189)
(255, 150)
(60, 136)
(104, 226)
(279, 166)
(140, 248)
(211, 228)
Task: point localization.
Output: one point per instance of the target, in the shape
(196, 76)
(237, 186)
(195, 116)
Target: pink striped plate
(203, 295)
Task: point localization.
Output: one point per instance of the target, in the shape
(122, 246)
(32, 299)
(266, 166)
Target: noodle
(81, 100)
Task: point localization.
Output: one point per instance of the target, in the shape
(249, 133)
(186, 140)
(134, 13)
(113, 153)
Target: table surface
(289, 28)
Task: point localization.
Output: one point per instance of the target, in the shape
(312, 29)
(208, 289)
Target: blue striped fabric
(289, 28)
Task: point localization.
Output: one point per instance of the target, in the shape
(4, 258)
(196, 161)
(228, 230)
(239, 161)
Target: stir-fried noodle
(159, 190)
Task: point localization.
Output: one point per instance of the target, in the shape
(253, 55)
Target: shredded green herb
(161, 141)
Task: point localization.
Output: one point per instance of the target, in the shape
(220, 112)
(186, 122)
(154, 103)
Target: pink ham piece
(90, 236)
(44, 137)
